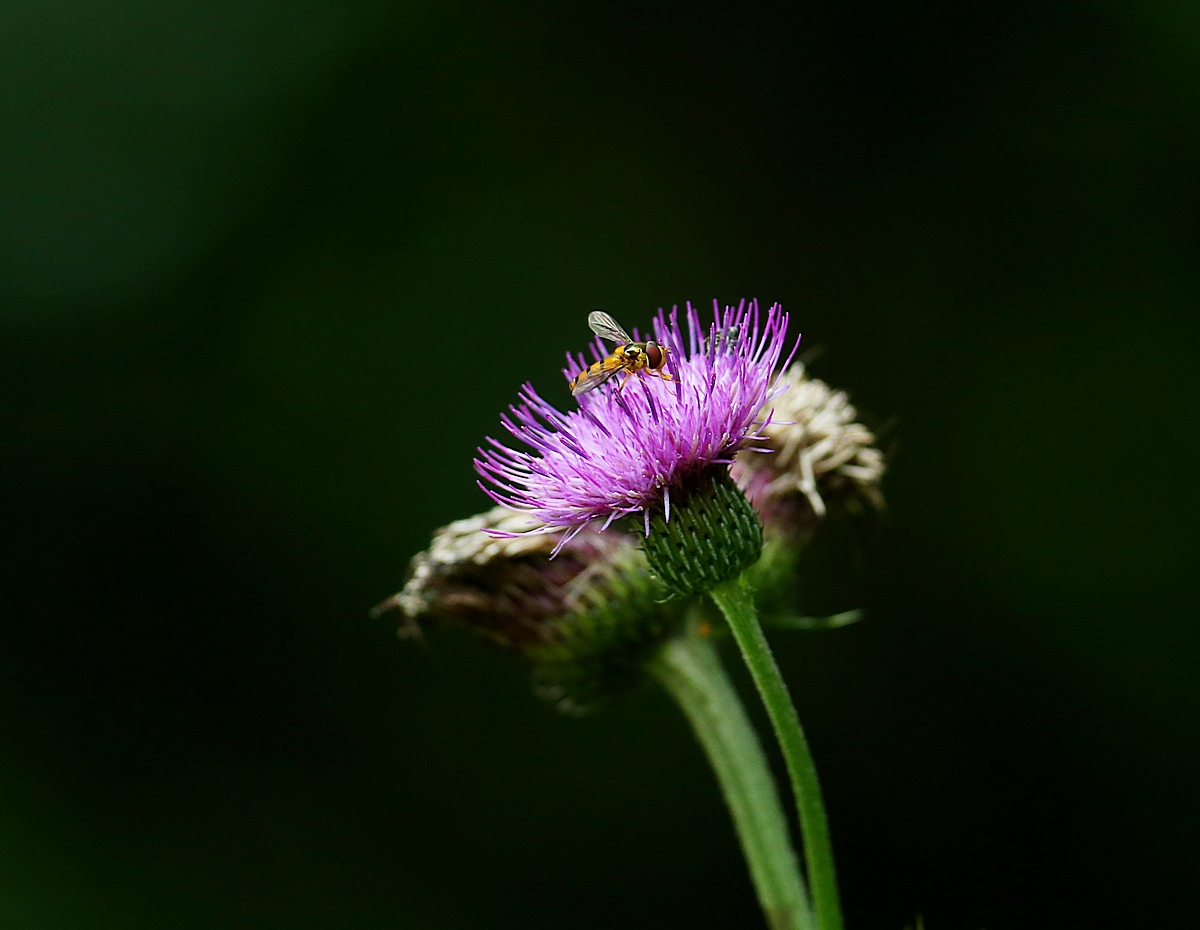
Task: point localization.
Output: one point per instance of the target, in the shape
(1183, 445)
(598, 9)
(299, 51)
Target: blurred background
(270, 271)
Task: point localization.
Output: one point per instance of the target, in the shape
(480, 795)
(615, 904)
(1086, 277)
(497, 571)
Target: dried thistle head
(821, 455)
(584, 616)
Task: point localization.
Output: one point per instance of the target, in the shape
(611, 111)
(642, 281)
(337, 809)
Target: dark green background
(269, 271)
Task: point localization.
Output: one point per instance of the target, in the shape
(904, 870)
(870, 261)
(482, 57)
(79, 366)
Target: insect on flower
(628, 356)
(613, 455)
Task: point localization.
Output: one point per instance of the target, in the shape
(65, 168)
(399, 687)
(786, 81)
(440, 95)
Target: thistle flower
(624, 452)
(596, 618)
(585, 620)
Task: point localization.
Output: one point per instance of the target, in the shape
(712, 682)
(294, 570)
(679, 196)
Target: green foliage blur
(270, 271)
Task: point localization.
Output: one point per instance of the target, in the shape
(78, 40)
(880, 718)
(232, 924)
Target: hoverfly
(628, 356)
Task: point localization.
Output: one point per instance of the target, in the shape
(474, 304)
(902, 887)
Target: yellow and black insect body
(629, 356)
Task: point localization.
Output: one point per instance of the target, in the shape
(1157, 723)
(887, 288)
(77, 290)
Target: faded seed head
(820, 454)
(585, 618)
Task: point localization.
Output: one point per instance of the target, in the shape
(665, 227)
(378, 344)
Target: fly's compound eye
(654, 355)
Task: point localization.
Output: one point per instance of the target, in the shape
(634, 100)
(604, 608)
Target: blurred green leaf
(797, 622)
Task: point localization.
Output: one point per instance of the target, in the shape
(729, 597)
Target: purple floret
(622, 452)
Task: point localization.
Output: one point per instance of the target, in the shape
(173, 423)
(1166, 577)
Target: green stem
(737, 603)
(689, 668)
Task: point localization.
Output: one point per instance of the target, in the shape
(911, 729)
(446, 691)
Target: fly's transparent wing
(591, 378)
(727, 337)
(606, 327)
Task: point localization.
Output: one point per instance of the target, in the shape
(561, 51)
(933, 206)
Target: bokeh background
(269, 272)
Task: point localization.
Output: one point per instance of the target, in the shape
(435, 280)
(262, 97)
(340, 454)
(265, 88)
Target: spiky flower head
(625, 451)
(585, 619)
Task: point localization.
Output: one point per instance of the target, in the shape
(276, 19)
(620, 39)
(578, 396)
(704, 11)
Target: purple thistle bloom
(623, 451)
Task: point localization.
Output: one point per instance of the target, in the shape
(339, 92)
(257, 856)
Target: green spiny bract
(713, 534)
